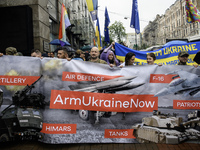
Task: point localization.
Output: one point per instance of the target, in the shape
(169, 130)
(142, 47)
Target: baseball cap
(11, 51)
(183, 53)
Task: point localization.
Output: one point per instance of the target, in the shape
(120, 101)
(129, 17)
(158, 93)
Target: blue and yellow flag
(165, 56)
(92, 7)
(98, 35)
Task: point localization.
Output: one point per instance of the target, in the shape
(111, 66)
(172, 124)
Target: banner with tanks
(58, 101)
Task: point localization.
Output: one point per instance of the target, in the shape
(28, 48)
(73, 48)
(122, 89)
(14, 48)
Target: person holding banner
(36, 53)
(111, 59)
(79, 55)
(183, 58)
(63, 54)
(10, 51)
(129, 60)
(151, 57)
(94, 56)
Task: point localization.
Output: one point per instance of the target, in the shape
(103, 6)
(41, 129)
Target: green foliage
(137, 47)
(144, 46)
(105, 43)
(117, 31)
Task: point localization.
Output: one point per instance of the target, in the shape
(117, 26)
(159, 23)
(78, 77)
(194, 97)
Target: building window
(53, 33)
(53, 9)
(193, 25)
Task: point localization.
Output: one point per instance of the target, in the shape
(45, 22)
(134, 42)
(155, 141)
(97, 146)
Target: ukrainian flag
(98, 35)
(92, 7)
(121, 52)
(165, 56)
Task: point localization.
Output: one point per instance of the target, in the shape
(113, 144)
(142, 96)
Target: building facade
(171, 25)
(150, 33)
(41, 25)
(132, 39)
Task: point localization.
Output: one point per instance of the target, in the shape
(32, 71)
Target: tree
(105, 43)
(117, 31)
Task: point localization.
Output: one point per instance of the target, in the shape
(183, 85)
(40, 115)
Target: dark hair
(67, 50)
(128, 56)
(62, 48)
(78, 53)
(152, 55)
(37, 51)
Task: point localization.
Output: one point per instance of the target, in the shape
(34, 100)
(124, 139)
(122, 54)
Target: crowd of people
(106, 56)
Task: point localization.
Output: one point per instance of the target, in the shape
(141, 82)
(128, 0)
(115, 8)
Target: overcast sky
(118, 9)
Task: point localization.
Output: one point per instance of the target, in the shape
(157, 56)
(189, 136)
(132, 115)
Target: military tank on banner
(23, 119)
(164, 128)
(194, 120)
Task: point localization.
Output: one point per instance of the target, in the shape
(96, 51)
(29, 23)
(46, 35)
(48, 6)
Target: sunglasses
(184, 56)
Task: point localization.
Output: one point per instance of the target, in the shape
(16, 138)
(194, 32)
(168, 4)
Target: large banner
(87, 102)
(166, 56)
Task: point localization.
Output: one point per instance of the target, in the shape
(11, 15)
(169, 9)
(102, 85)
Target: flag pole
(136, 40)
(135, 23)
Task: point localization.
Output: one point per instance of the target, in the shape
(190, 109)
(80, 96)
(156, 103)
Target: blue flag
(135, 17)
(106, 31)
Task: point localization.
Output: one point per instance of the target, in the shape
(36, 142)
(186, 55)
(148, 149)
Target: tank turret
(164, 128)
(162, 120)
(193, 115)
(193, 120)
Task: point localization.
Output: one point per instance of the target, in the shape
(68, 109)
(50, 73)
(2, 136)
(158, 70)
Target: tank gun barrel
(191, 121)
(29, 87)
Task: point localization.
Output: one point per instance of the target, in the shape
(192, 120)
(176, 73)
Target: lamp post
(135, 34)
